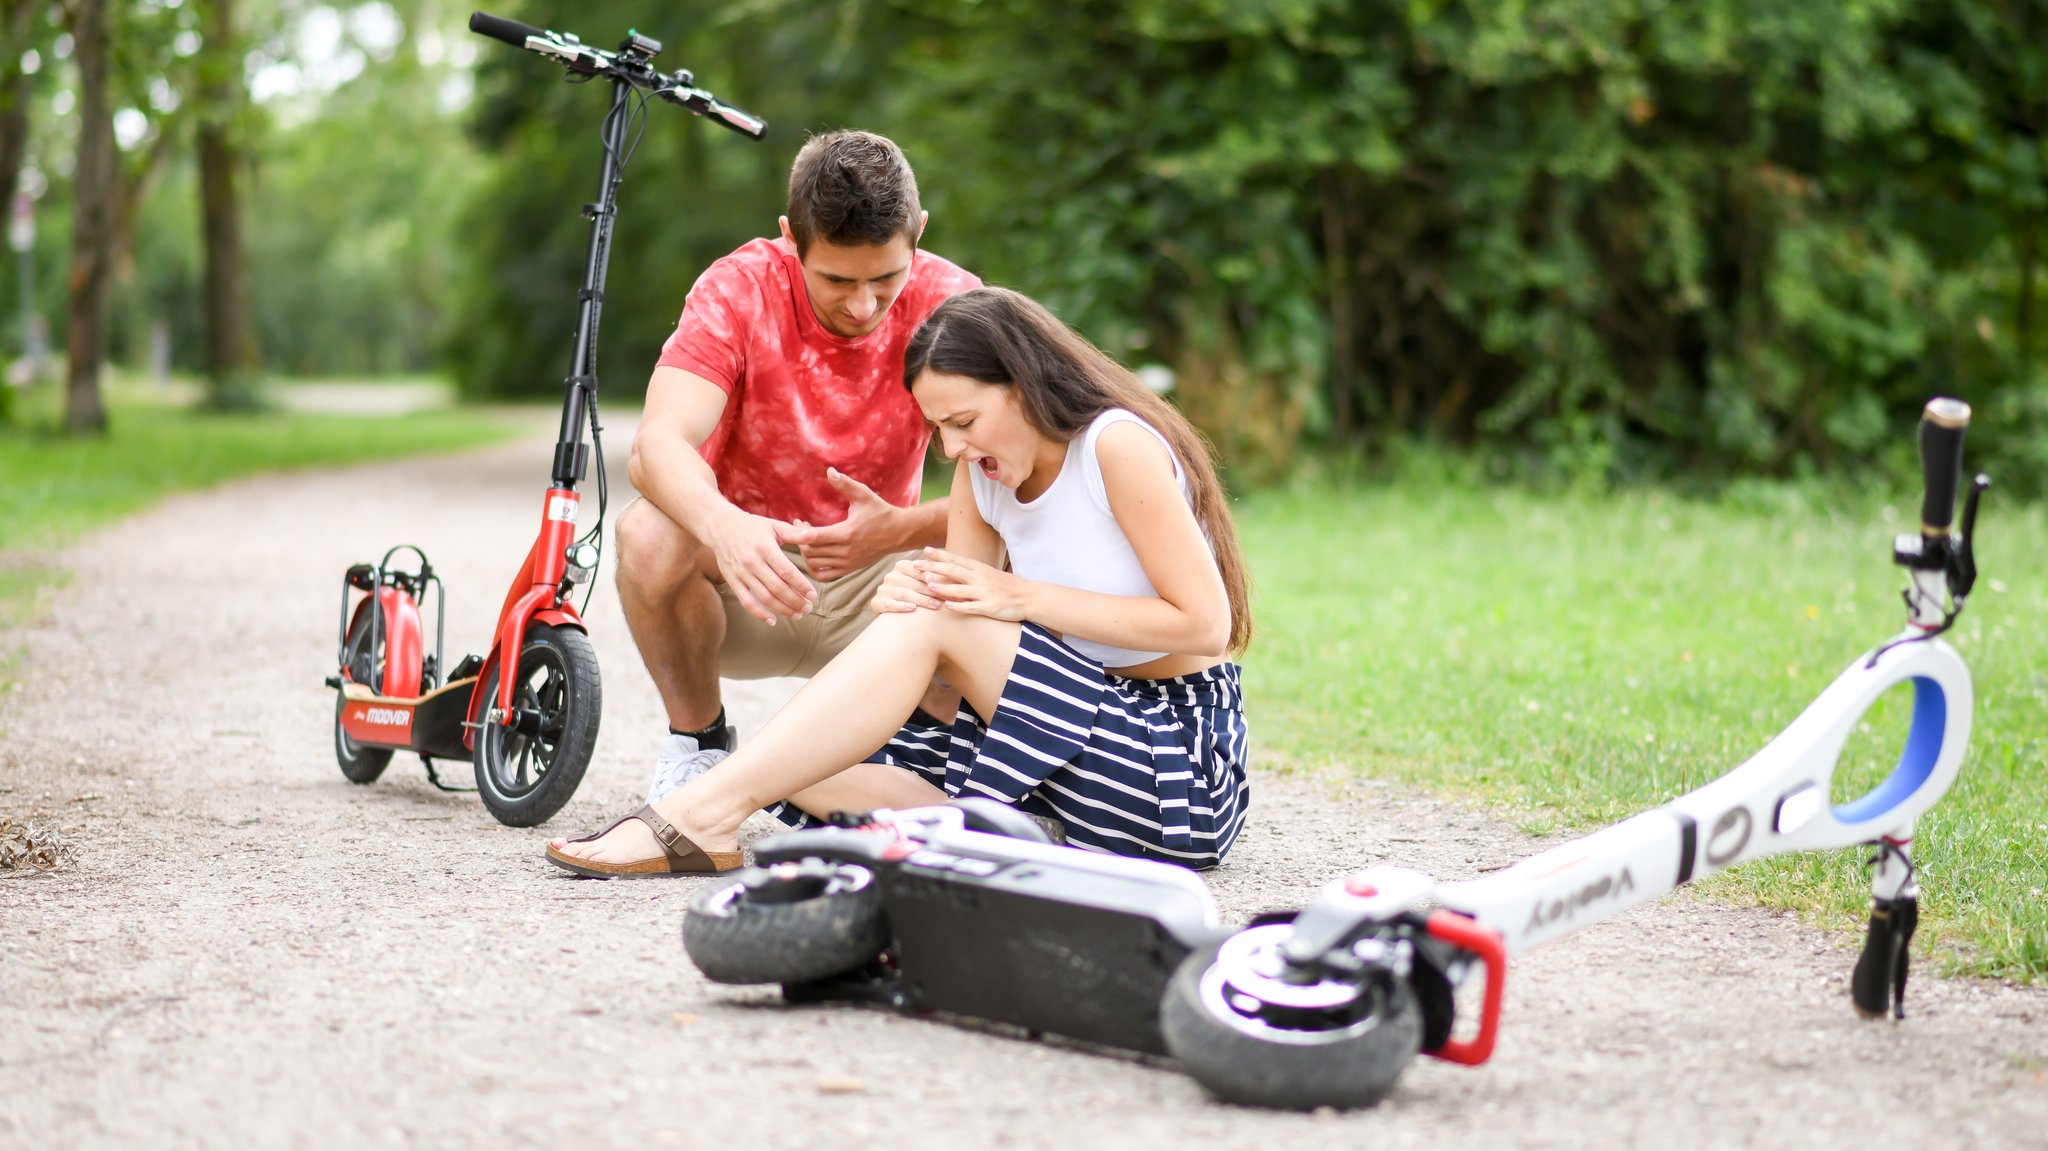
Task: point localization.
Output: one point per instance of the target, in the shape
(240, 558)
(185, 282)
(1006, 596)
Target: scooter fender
(404, 650)
(512, 635)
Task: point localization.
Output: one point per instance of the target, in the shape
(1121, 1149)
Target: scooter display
(965, 909)
(526, 712)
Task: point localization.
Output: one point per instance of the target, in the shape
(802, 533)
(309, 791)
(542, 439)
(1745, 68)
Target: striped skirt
(1152, 768)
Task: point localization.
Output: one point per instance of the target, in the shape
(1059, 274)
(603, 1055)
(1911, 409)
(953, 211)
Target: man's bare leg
(673, 609)
(851, 707)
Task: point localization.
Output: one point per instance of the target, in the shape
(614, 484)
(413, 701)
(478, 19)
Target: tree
(231, 354)
(95, 220)
(16, 18)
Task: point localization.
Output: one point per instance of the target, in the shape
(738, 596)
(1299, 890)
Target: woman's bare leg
(866, 786)
(850, 708)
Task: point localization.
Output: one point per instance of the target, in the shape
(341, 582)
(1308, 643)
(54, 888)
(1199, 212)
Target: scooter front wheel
(1250, 1034)
(526, 771)
(790, 922)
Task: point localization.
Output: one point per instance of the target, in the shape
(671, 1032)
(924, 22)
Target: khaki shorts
(753, 650)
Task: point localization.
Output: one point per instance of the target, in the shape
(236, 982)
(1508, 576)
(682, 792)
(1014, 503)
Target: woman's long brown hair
(1062, 382)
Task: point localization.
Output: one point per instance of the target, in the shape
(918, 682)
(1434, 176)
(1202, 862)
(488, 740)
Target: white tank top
(1068, 535)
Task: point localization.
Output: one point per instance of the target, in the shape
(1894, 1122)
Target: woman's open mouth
(989, 467)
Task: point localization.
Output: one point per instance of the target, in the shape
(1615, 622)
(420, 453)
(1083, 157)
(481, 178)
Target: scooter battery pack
(1051, 939)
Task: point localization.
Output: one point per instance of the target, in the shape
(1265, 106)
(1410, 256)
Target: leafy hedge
(1607, 238)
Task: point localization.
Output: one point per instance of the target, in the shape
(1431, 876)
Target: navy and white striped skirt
(1147, 767)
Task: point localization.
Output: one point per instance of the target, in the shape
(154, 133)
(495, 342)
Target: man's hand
(750, 557)
(870, 531)
(971, 587)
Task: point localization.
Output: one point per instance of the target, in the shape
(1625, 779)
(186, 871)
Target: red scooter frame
(527, 723)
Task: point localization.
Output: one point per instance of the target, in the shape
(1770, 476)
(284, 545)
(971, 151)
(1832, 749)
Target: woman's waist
(1201, 680)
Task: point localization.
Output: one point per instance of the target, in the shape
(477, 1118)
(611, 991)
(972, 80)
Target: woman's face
(982, 425)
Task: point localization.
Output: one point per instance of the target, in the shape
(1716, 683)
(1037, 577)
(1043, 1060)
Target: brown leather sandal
(678, 855)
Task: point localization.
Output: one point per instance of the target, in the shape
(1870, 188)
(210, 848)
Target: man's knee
(653, 550)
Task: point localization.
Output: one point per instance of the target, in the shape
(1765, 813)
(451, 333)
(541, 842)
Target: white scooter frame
(1294, 987)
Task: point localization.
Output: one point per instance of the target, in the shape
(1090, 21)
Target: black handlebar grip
(1941, 458)
(498, 28)
(739, 120)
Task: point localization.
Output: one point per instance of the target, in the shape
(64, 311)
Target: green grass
(58, 486)
(1573, 659)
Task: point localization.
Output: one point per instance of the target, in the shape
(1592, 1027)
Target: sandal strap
(689, 858)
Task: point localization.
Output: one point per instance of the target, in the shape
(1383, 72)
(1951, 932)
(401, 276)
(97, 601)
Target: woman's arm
(1190, 615)
(968, 536)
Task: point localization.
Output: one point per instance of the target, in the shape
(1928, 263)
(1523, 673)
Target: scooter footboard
(1046, 938)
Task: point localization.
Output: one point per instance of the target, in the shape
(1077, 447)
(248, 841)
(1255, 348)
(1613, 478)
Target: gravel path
(252, 951)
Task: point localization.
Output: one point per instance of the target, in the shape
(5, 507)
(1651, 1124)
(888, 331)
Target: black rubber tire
(524, 779)
(786, 923)
(359, 764)
(1303, 1071)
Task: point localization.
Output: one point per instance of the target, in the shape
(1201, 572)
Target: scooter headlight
(582, 562)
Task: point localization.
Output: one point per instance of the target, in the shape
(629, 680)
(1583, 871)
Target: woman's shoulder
(1122, 447)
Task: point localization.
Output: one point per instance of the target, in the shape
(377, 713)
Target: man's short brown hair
(851, 188)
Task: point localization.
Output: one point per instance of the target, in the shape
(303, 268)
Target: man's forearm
(683, 486)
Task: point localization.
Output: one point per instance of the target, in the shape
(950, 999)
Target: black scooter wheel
(527, 771)
(1253, 1039)
(786, 923)
(361, 764)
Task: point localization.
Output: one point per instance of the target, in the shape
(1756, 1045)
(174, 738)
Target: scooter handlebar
(498, 28)
(1942, 425)
(717, 111)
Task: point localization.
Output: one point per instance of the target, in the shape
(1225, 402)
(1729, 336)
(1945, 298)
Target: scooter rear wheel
(360, 763)
(1252, 1038)
(527, 771)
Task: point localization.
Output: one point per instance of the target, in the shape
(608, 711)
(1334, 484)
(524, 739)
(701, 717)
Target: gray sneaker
(678, 762)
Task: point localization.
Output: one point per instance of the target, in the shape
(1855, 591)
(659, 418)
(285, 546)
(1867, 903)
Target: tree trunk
(15, 18)
(96, 197)
(231, 355)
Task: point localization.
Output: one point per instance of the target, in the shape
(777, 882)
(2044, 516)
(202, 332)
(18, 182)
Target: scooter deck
(429, 725)
(1051, 939)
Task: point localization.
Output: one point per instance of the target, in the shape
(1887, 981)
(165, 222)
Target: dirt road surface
(251, 951)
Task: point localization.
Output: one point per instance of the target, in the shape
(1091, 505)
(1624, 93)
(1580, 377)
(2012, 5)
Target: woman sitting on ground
(1094, 672)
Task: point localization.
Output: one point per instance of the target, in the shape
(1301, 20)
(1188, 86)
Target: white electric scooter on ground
(965, 909)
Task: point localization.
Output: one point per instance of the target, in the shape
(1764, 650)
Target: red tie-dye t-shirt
(801, 399)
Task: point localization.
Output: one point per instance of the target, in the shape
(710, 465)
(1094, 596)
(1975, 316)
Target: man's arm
(669, 471)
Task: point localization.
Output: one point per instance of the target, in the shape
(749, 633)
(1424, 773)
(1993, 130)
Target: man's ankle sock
(717, 735)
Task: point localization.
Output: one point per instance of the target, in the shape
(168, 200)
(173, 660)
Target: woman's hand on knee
(903, 589)
(970, 587)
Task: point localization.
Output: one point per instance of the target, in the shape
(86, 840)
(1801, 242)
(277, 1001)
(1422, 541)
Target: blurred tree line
(1603, 238)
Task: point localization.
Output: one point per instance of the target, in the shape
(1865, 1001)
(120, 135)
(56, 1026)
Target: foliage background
(1597, 239)
(1602, 238)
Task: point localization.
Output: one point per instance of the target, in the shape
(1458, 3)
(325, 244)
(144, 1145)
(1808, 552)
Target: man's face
(852, 287)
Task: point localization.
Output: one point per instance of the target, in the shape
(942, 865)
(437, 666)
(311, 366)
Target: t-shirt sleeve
(709, 339)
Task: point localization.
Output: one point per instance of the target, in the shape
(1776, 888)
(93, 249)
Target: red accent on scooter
(382, 723)
(404, 652)
(531, 597)
(1460, 931)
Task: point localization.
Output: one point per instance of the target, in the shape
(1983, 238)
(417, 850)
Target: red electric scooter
(529, 729)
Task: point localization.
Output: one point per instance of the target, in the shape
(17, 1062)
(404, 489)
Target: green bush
(1611, 238)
